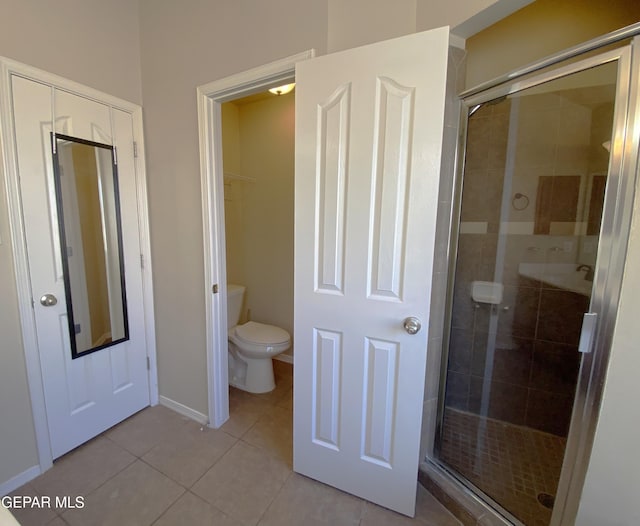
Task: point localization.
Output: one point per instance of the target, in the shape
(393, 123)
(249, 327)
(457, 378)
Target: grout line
(86, 496)
(170, 505)
(213, 465)
(274, 498)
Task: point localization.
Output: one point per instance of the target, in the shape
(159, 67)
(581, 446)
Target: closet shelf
(235, 177)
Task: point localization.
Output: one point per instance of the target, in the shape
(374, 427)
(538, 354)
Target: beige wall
(436, 13)
(233, 193)
(355, 23)
(258, 143)
(17, 436)
(182, 48)
(541, 29)
(92, 42)
(267, 149)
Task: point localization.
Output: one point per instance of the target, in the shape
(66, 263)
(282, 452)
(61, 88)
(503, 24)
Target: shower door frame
(611, 255)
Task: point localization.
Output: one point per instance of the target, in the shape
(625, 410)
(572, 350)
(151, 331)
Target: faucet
(588, 275)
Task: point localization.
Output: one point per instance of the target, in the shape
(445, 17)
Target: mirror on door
(86, 185)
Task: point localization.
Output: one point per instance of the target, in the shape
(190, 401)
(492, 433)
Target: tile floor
(161, 468)
(512, 464)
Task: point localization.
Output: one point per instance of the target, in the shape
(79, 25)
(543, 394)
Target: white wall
(612, 486)
(92, 42)
(355, 23)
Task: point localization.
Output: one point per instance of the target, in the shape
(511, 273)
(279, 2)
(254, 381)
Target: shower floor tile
(511, 464)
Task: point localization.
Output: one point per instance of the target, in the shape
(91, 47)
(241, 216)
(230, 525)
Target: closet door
(78, 189)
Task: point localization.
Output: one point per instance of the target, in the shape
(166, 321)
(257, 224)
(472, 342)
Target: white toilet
(251, 347)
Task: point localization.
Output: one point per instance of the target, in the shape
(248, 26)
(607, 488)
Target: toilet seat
(254, 333)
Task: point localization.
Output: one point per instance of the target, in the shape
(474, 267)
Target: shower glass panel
(535, 173)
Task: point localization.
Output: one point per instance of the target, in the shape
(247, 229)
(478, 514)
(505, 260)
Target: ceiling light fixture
(282, 90)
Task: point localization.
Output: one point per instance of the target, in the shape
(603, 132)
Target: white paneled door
(369, 124)
(88, 394)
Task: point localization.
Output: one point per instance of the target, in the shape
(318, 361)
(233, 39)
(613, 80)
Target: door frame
(211, 96)
(8, 68)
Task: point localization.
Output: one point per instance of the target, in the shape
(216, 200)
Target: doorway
(258, 160)
(211, 98)
(539, 244)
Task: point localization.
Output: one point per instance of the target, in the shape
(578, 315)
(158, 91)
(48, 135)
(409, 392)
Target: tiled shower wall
(535, 366)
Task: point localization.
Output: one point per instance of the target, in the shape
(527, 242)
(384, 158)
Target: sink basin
(560, 275)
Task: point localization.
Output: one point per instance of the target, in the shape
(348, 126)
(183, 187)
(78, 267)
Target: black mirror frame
(63, 242)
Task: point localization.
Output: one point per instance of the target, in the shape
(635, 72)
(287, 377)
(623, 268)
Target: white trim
(210, 97)
(184, 410)
(456, 41)
(19, 480)
(21, 264)
(286, 358)
(20, 257)
(145, 252)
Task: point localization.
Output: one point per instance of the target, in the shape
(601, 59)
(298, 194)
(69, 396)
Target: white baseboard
(287, 358)
(184, 410)
(20, 479)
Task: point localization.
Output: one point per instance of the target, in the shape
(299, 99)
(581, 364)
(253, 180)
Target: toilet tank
(235, 295)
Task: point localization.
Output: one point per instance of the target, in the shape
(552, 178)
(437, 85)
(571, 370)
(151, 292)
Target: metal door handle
(48, 300)
(589, 321)
(412, 325)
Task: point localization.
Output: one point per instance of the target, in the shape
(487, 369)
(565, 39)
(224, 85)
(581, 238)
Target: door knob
(412, 325)
(48, 300)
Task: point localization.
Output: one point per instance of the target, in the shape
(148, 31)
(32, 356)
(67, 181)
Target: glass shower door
(535, 174)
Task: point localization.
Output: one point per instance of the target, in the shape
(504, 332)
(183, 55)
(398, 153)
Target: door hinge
(135, 149)
(215, 289)
(148, 364)
(142, 261)
(115, 155)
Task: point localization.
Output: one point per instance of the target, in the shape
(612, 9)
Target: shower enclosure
(538, 248)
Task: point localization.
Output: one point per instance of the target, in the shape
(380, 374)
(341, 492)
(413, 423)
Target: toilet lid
(254, 332)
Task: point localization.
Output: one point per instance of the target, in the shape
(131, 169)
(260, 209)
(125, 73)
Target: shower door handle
(587, 336)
